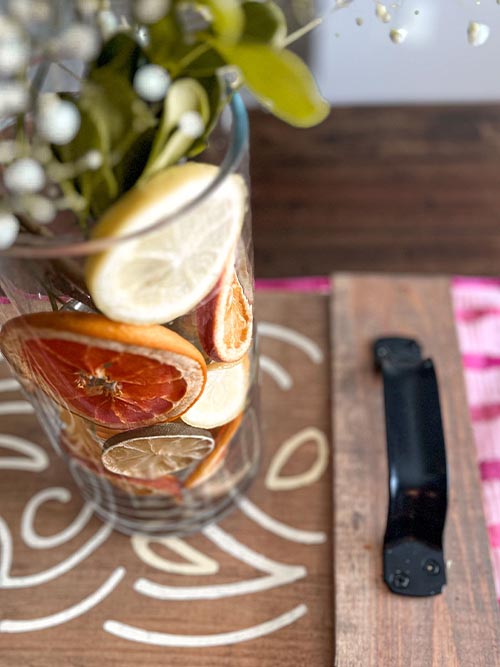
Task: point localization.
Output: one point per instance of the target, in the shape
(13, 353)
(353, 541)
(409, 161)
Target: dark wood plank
(383, 189)
(374, 627)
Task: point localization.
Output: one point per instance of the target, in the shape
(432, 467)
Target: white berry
(108, 23)
(87, 7)
(191, 124)
(151, 82)
(58, 121)
(9, 229)
(14, 98)
(29, 10)
(93, 160)
(151, 11)
(79, 41)
(24, 175)
(14, 53)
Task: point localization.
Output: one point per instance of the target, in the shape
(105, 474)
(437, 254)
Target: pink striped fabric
(476, 304)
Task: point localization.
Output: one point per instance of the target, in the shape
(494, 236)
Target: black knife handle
(418, 488)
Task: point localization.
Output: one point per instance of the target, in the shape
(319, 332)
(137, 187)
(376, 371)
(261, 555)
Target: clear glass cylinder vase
(158, 423)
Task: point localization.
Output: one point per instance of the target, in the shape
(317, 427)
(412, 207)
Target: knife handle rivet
(431, 566)
(401, 580)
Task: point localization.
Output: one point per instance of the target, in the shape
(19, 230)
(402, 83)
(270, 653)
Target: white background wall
(360, 65)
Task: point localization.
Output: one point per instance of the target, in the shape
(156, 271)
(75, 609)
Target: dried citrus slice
(78, 438)
(117, 375)
(160, 276)
(169, 485)
(224, 320)
(224, 396)
(215, 459)
(150, 453)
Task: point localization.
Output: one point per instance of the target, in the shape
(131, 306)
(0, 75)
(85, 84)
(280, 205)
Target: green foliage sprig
(197, 44)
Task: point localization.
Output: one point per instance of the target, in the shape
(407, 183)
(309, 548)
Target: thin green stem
(294, 36)
(190, 57)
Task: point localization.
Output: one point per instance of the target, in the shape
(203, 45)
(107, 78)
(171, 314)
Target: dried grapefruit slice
(150, 453)
(215, 459)
(160, 276)
(224, 320)
(224, 396)
(116, 375)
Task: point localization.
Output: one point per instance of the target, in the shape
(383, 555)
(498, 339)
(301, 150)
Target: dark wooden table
(388, 189)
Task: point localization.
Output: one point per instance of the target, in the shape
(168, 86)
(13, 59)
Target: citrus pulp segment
(116, 375)
(150, 453)
(224, 396)
(224, 319)
(157, 277)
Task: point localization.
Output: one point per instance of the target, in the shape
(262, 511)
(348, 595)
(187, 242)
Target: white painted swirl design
(35, 541)
(135, 634)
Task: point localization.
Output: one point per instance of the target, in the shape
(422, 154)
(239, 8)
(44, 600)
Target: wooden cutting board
(374, 627)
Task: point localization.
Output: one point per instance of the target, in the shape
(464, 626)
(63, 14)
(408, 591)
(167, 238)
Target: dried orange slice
(116, 375)
(214, 461)
(150, 453)
(224, 320)
(224, 396)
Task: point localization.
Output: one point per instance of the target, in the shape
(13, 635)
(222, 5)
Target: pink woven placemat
(476, 303)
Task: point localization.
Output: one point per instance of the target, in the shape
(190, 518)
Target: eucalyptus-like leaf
(280, 80)
(228, 19)
(218, 96)
(170, 143)
(264, 22)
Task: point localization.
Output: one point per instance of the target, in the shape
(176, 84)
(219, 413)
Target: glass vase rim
(53, 247)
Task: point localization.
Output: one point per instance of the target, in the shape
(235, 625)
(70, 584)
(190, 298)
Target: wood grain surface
(459, 628)
(83, 641)
(409, 189)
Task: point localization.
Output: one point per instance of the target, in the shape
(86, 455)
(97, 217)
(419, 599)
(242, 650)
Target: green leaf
(218, 97)
(121, 54)
(165, 41)
(228, 19)
(280, 80)
(113, 117)
(264, 22)
(99, 186)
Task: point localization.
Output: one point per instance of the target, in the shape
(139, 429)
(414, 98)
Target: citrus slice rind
(214, 461)
(78, 439)
(224, 396)
(117, 376)
(163, 486)
(151, 453)
(160, 276)
(224, 320)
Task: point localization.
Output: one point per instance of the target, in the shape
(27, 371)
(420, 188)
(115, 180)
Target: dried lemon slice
(224, 396)
(151, 453)
(157, 277)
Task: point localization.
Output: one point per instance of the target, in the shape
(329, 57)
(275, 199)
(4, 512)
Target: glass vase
(149, 455)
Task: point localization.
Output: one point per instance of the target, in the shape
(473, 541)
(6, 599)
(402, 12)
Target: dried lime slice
(151, 453)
